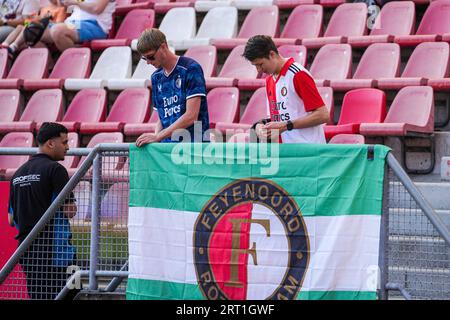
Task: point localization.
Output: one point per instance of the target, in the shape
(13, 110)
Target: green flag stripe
(139, 289)
(324, 180)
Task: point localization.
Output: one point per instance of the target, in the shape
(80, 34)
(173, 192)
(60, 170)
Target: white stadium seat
(140, 78)
(206, 5)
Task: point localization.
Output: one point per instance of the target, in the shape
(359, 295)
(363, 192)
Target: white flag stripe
(335, 241)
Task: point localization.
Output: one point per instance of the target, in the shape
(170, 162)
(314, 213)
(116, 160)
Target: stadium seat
(88, 105)
(291, 4)
(332, 62)
(82, 193)
(73, 63)
(9, 164)
(240, 137)
(380, 60)
(219, 23)
(348, 20)
(206, 56)
(131, 106)
(255, 110)
(235, 67)
(250, 4)
(10, 100)
(164, 7)
(125, 6)
(32, 63)
(223, 105)
(114, 63)
(411, 115)
(3, 63)
(260, 20)
(419, 69)
(305, 21)
(141, 78)
(434, 26)
(366, 105)
(71, 161)
(206, 5)
(396, 18)
(136, 129)
(131, 28)
(346, 138)
(44, 105)
(327, 96)
(331, 3)
(114, 205)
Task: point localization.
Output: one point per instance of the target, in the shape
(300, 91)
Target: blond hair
(150, 39)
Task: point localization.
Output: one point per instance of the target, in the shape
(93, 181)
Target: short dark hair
(50, 130)
(259, 46)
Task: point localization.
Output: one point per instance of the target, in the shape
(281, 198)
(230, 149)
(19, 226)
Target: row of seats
(379, 67)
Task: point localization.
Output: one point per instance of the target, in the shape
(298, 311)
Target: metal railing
(414, 247)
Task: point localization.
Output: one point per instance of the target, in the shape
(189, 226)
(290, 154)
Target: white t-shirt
(292, 95)
(104, 19)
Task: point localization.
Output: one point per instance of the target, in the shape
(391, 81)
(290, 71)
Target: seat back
(345, 138)
(236, 66)
(9, 105)
(135, 22)
(206, 56)
(261, 20)
(106, 137)
(114, 63)
(380, 60)
(436, 19)
(305, 21)
(44, 105)
(223, 105)
(396, 18)
(349, 19)
(220, 23)
(327, 96)
(143, 70)
(114, 205)
(15, 139)
(240, 137)
(132, 106)
(176, 17)
(363, 105)
(256, 108)
(298, 52)
(32, 63)
(3, 63)
(419, 62)
(413, 105)
(332, 62)
(74, 142)
(88, 105)
(73, 63)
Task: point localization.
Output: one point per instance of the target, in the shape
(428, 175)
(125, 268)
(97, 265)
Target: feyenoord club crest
(178, 82)
(284, 91)
(251, 242)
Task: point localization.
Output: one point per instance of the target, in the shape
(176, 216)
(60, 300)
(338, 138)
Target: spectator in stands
(295, 110)
(14, 13)
(55, 11)
(34, 186)
(90, 19)
(178, 93)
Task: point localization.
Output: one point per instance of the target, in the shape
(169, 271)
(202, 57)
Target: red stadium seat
(44, 105)
(327, 96)
(240, 137)
(131, 28)
(10, 100)
(9, 164)
(206, 56)
(73, 63)
(74, 142)
(380, 60)
(136, 129)
(163, 7)
(255, 110)
(331, 3)
(114, 205)
(419, 69)
(396, 18)
(260, 20)
(291, 4)
(235, 68)
(223, 105)
(131, 106)
(434, 25)
(3, 63)
(305, 21)
(88, 105)
(348, 20)
(359, 106)
(31, 63)
(332, 62)
(346, 138)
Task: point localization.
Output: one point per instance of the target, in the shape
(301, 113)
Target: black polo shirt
(33, 188)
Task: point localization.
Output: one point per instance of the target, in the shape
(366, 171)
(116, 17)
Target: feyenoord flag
(254, 221)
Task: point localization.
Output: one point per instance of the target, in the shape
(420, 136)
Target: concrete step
(95, 295)
(410, 222)
(437, 194)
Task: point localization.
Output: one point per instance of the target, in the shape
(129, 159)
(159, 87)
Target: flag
(255, 221)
